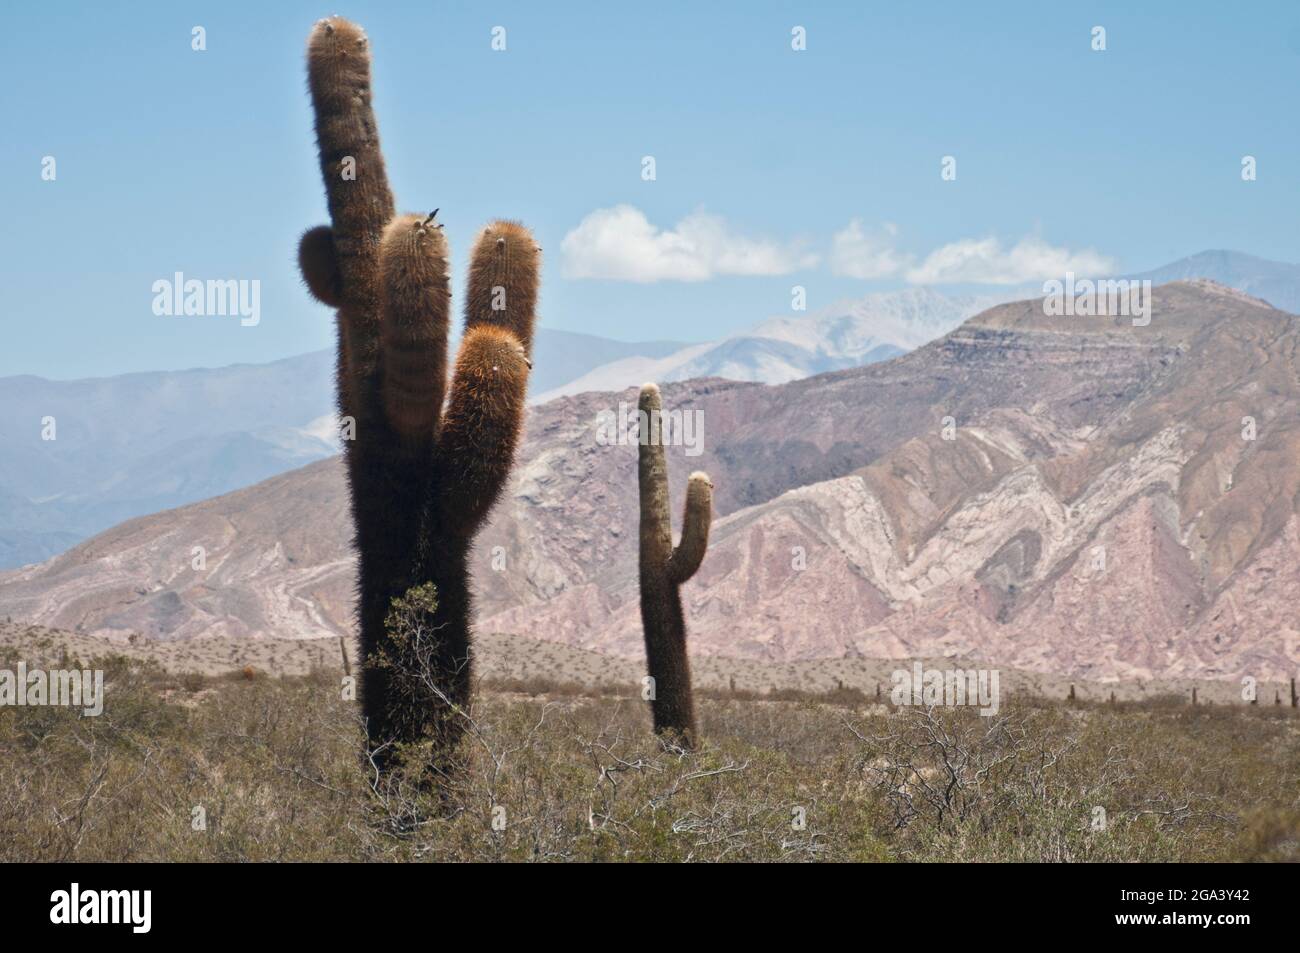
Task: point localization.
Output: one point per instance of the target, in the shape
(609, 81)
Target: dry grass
(567, 772)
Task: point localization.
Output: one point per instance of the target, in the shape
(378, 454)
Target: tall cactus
(663, 570)
(422, 478)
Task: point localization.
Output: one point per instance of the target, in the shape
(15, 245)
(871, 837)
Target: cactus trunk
(663, 568)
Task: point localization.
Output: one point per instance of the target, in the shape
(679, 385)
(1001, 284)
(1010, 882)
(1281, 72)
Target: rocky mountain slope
(1060, 494)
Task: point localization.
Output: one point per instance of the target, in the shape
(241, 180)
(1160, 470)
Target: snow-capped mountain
(846, 334)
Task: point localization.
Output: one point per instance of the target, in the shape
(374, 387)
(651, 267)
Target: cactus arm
(697, 516)
(347, 137)
(415, 305)
(481, 427)
(504, 270)
(485, 412)
(338, 72)
(319, 267)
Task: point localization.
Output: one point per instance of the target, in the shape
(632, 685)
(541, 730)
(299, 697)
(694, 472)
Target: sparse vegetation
(560, 772)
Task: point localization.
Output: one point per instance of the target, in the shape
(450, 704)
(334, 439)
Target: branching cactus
(422, 477)
(663, 570)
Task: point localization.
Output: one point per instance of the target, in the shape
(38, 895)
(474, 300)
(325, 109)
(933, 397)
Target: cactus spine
(663, 570)
(422, 479)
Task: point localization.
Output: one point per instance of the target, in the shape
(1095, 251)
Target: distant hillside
(1276, 282)
(846, 334)
(138, 443)
(880, 326)
(1070, 496)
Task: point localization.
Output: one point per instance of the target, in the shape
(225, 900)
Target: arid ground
(227, 761)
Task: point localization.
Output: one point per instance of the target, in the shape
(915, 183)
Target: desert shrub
(1041, 783)
(270, 769)
(1272, 834)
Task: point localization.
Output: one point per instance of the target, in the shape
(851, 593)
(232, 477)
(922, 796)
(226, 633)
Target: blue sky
(203, 162)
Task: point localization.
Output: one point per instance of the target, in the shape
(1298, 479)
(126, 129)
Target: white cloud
(984, 261)
(856, 254)
(621, 244)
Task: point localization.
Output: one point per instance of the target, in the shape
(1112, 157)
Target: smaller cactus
(663, 570)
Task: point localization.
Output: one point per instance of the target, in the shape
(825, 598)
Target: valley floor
(513, 658)
(247, 766)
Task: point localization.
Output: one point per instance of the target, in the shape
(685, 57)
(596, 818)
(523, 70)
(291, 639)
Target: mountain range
(139, 443)
(886, 324)
(846, 334)
(1276, 282)
(1072, 495)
